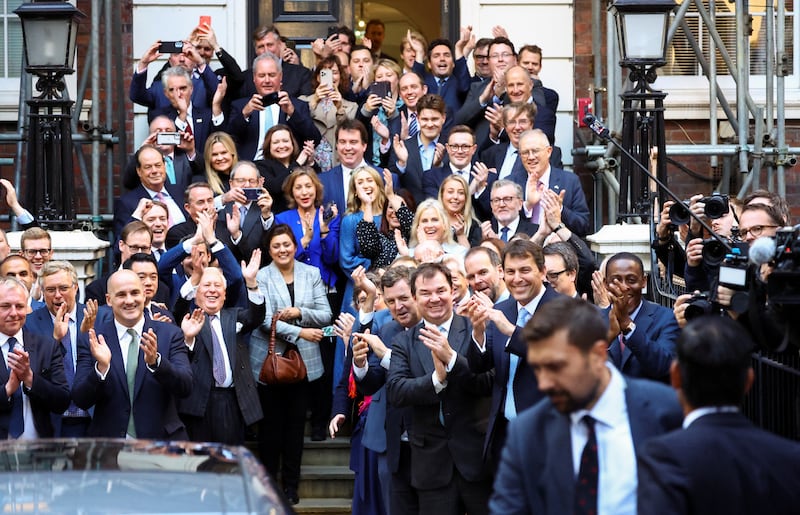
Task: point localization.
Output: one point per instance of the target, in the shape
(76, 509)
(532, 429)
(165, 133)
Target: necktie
(510, 411)
(188, 129)
(440, 83)
(130, 373)
(504, 234)
(69, 366)
(443, 330)
(218, 359)
(537, 210)
(17, 423)
(588, 474)
(170, 169)
(268, 121)
(413, 125)
(163, 199)
(242, 215)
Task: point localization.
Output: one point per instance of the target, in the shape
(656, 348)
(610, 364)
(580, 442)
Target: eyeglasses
(756, 230)
(481, 57)
(251, 182)
(553, 276)
(503, 200)
(139, 250)
(459, 148)
(51, 290)
(29, 253)
(532, 151)
(504, 55)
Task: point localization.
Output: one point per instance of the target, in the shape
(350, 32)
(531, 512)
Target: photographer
(667, 244)
(702, 255)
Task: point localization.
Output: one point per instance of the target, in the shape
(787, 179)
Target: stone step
(327, 452)
(321, 481)
(325, 506)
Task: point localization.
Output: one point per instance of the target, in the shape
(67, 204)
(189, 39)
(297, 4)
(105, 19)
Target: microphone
(596, 126)
(762, 251)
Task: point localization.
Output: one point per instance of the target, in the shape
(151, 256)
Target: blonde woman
(430, 224)
(220, 158)
(457, 202)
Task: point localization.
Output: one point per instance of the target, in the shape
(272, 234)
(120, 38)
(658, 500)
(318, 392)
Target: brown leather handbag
(281, 369)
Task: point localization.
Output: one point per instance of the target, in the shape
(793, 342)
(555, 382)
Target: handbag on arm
(281, 369)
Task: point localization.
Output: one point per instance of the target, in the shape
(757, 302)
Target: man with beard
(485, 273)
(641, 333)
(574, 452)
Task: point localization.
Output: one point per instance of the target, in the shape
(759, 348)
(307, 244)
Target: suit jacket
(651, 348)
(202, 124)
(523, 227)
(721, 463)
(322, 253)
(575, 213)
(310, 297)
(411, 179)
(546, 101)
(496, 357)
(49, 392)
(155, 393)
(245, 132)
(185, 171)
(126, 204)
(204, 86)
(536, 474)
(296, 80)
(252, 231)
(98, 288)
(237, 343)
(455, 88)
(435, 448)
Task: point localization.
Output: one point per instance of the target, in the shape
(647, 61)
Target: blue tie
(511, 407)
(413, 125)
(17, 423)
(170, 169)
(504, 234)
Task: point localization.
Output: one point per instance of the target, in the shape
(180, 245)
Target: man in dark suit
(541, 179)
(132, 370)
(251, 118)
(386, 423)
(64, 313)
(720, 462)
(498, 342)
(181, 161)
(642, 333)
(224, 400)
(504, 156)
(506, 202)
(151, 168)
(32, 371)
(429, 374)
(449, 74)
(577, 446)
(190, 118)
(296, 80)
(198, 198)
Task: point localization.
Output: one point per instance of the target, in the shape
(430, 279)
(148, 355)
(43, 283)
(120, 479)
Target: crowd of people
(406, 229)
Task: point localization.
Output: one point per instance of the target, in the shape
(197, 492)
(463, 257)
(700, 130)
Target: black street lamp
(642, 27)
(49, 31)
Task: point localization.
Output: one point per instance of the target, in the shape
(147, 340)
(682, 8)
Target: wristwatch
(628, 330)
(559, 227)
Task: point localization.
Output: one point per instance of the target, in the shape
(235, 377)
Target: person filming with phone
(252, 117)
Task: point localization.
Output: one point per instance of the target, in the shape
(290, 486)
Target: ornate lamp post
(642, 27)
(49, 31)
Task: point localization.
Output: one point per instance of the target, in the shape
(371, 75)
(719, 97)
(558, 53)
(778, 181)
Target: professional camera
(698, 305)
(783, 286)
(734, 274)
(716, 206)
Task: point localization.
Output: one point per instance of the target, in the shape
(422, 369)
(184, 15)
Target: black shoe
(318, 434)
(291, 496)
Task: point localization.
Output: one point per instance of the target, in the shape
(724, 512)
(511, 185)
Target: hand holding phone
(170, 47)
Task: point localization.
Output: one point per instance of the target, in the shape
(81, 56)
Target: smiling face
(534, 151)
(518, 84)
(401, 303)
(13, 308)
(432, 225)
(281, 250)
(441, 61)
(126, 297)
(384, 74)
(408, 55)
(506, 204)
(221, 158)
(516, 122)
(482, 276)
(151, 169)
(365, 185)
(211, 291)
(19, 269)
(280, 146)
(411, 89)
(157, 219)
(454, 197)
(431, 122)
(148, 274)
(561, 279)
(629, 277)
(532, 62)
(434, 297)
(523, 278)
(304, 192)
(460, 149)
(266, 77)
(350, 147)
(481, 59)
(501, 57)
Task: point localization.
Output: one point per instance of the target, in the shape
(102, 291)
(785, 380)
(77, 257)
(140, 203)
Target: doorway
(399, 16)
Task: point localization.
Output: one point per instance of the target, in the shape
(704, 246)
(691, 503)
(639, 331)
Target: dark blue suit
(496, 356)
(321, 253)
(153, 98)
(49, 393)
(455, 88)
(171, 272)
(651, 348)
(721, 463)
(536, 473)
(575, 213)
(202, 124)
(154, 405)
(126, 204)
(245, 132)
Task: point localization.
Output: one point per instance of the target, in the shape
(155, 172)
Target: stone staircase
(326, 481)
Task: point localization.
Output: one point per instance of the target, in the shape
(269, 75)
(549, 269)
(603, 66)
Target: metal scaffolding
(764, 149)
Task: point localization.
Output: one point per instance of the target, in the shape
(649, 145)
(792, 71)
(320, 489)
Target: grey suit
(310, 297)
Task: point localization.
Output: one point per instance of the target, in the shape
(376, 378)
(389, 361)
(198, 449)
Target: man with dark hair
(561, 263)
(146, 267)
(498, 342)
(485, 273)
(295, 78)
(720, 462)
(429, 374)
(360, 67)
(375, 32)
(530, 58)
(504, 157)
(641, 333)
(449, 74)
(574, 452)
(480, 58)
(351, 145)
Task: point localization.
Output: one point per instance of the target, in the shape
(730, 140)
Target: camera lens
(716, 206)
(679, 213)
